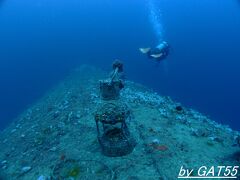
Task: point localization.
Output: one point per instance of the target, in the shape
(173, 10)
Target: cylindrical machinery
(110, 90)
(113, 134)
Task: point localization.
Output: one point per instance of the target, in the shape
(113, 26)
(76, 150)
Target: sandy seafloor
(56, 138)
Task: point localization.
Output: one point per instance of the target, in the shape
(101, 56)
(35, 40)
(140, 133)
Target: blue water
(42, 40)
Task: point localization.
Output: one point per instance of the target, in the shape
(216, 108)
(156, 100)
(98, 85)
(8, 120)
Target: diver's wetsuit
(162, 48)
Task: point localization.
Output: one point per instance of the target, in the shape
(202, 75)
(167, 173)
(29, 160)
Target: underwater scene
(119, 90)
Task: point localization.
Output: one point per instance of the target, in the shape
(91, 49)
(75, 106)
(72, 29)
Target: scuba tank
(160, 52)
(163, 46)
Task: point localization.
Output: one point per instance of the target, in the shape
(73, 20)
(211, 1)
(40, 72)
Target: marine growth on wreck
(95, 126)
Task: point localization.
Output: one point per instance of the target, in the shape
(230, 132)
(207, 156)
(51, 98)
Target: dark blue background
(42, 40)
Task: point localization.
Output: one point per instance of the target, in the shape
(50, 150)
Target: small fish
(62, 157)
(158, 147)
(161, 148)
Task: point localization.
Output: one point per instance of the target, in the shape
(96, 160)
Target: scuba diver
(158, 53)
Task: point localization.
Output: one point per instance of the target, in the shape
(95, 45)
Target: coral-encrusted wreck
(56, 137)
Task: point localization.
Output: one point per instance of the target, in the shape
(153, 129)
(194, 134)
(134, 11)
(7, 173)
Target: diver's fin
(144, 50)
(156, 55)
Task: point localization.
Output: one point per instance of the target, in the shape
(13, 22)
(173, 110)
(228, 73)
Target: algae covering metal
(111, 117)
(56, 137)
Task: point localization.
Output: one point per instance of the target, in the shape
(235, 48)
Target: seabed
(56, 138)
